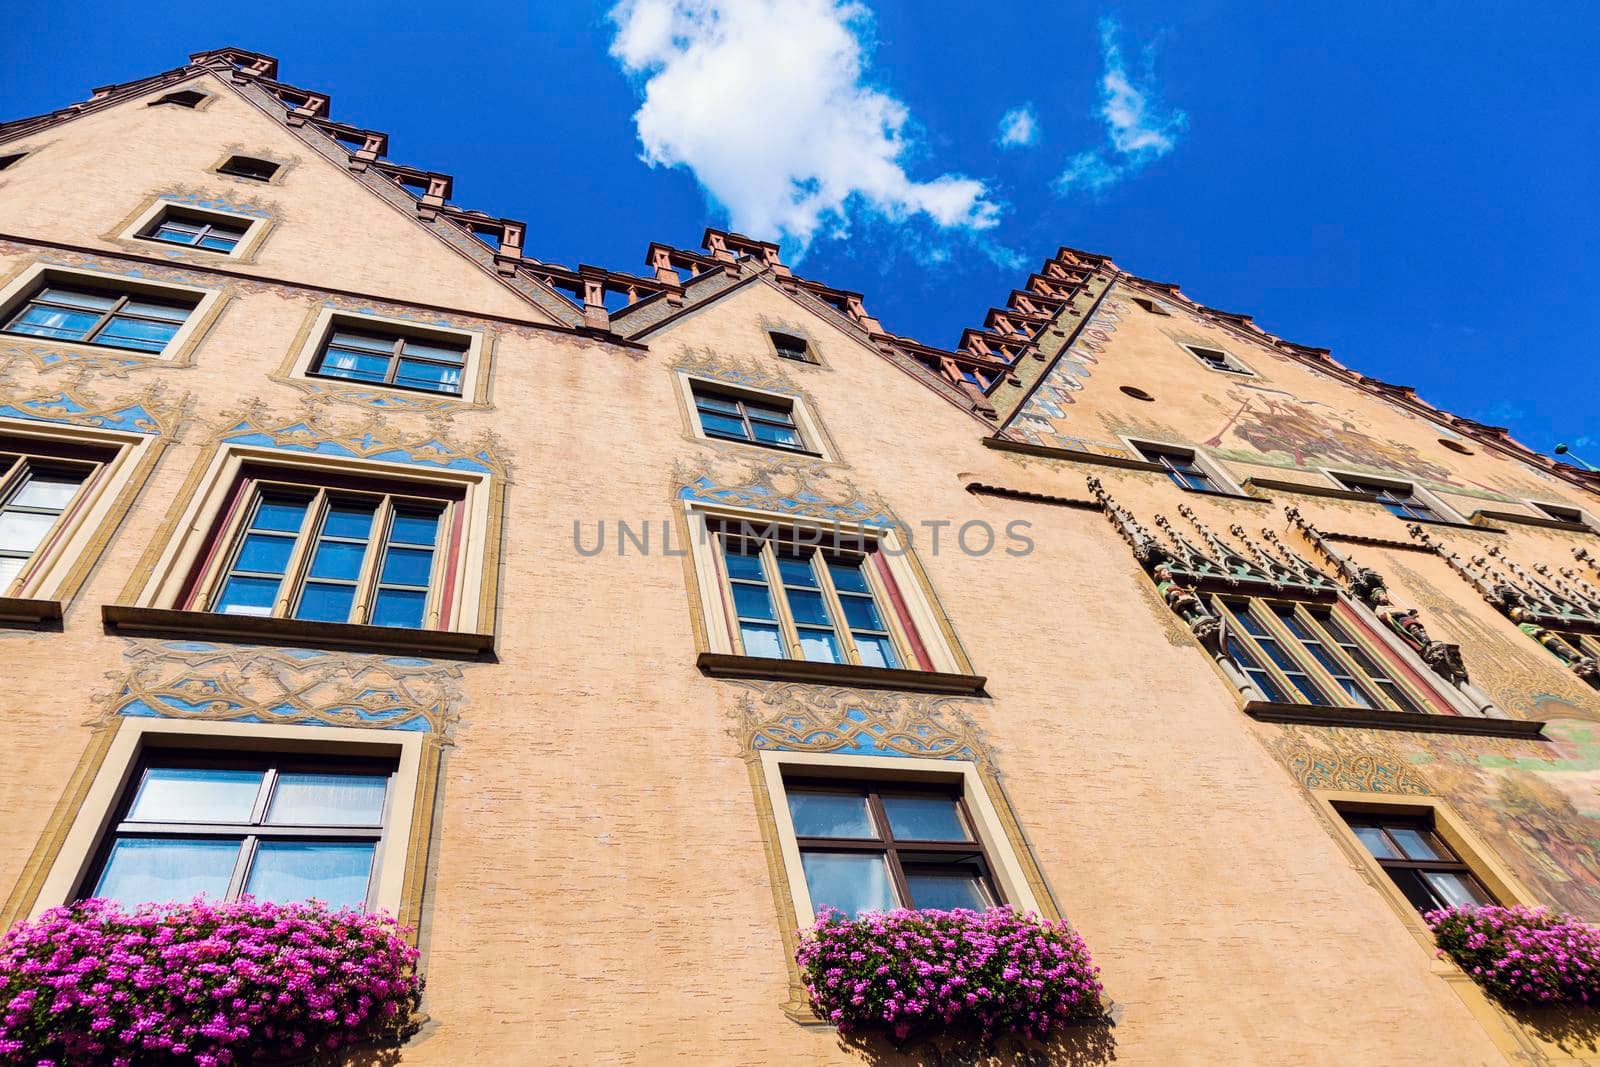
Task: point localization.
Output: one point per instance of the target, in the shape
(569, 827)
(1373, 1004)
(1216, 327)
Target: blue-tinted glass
(248, 596)
(435, 352)
(407, 566)
(808, 608)
(1251, 625)
(767, 433)
(761, 641)
(335, 873)
(218, 244)
(264, 553)
(415, 527)
(137, 333)
(830, 814)
(820, 646)
(363, 343)
(174, 235)
(722, 425)
(348, 520)
(741, 565)
(1376, 843)
(342, 364)
(924, 818)
(78, 298)
(876, 651)
(796, 571)
(752, 601)
(848, 577)
(338, 559)
(312, 799)
(429, 376)
(716, 403)
(144, 870)
(150, 310)
(325, 603)
(277, 513)
(196, 794)
(769, 414)
(54, 322)
(946, 891)
(861, 613)
(399, 607)
(849, 882)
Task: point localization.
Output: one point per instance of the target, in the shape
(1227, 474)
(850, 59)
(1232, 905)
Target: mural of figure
(1281, 425)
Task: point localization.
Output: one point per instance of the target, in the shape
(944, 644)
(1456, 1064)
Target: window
(884, 845)
(1151, 306)
(181, 98)
(348, 553)
(1298, 653)
(1587, 644)
(1560, 512)
(281, 828)
(99, 317)
(794, 601)
(791, 347)
(8, 160)
(1182, 466)
(195, 229)
(768, 420)
(1217, 359)
(1418, 860)
(405, 362)
(1401, 499)
(261, 170)
(35, 491)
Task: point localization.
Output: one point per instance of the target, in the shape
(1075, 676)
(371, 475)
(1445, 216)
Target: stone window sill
(128, 619)
(15, 609)
(723, 665)
(1308, 714)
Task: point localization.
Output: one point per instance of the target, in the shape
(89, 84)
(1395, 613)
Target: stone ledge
(15, 609)
(1000, 444)
(204, 625)
(1374, 718)
(724, 665)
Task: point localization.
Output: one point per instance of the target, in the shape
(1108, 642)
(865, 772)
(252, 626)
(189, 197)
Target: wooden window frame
(251, 833)
(225, 541)
(122, 298)
(886, 844)
(1264, 612)
(908, 648)
(397, 351)
(699, 388)
(1401, 861)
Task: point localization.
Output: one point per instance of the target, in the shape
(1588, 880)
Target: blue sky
(1413, 186)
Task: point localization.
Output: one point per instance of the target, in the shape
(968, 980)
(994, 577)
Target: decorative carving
(1533, 604)
(1368, 586)
(234, 683)
(374, 437)
(1336, 759)
(767, 374)
(1041, 420)
(794, 717)
(791, 486)
(152, 410)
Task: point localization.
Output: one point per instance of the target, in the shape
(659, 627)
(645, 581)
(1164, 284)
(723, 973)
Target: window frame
(140, 231)
(19, 458)
(699, 388)
(1161, 451)
(325, 322)
(808, 350)
(397, 352)
(1448, 863)
(249, 834)
(204, 305)
(121, 298)
(225, 167)
(817, 443)
(1422, 499)
(1150, 305)
(1547, 509)
(1235, 365)
(223, 544)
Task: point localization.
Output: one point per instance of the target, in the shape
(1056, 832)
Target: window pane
(399, 607)
(820, 646)
(171, 313)
(435, 352)
(407, 566)
(342, 364)
(10, 567)
(78, 298)
(333, 872)
(321, 602)
(362, 342)
(761, 641)
(861, 613)
(137, 333)
(429, 376)
(848, 576)
(808, 608)
(925, 818)
(22, 531)
(876, 650)
(767, 433)
(722, 425)
(279, 513)
(1417, 844)
(706, 402)
(1376, 843)
(196, 794)
(218, 243)
(54, 322)
(48, 490)
(304, 798)
(348, 519)
(752, 601)
(264, 553)
(248, 596)
(824, 814)
(851, 883)
(143, 870)
(797, 571)
(1455, 889)
(415, 527)
(768, 413)
(742, 564)
(338, 559)
(1415, 889)
(946, 890)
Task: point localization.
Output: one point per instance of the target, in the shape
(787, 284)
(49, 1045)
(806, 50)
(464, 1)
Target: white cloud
(1137, 132)
(1019, 127)
(763, 100)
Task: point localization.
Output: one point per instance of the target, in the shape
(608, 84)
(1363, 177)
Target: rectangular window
(1217, 359)
(398, 360)
(261, 170)
(1297, 653)
(1560, 513)
(791, 347)
(1182, 466)
(1151, 306)
(195, 229)
(1418, 860)
(99, 317)
(1399, 498)
(794, 601)
(767, 421)
(883, 845)
(280, 828)
(355, 552)
(36, 489)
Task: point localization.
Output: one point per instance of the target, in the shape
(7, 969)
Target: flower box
(1522, 956)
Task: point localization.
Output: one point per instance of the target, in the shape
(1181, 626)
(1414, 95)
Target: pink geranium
(1522, 955)
(202, 982)
(990, 973)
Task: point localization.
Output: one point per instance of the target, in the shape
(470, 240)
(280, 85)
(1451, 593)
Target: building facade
(571, 589)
